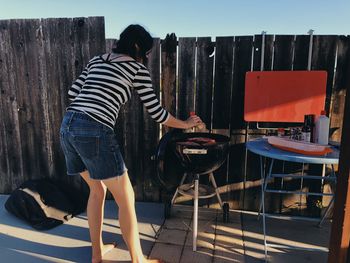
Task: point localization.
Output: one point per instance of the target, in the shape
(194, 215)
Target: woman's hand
(193, 121)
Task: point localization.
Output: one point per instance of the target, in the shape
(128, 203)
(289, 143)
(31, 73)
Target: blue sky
(196, 17)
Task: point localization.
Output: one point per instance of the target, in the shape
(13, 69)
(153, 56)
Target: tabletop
(263, 148)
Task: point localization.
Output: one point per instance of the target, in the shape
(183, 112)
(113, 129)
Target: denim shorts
(90, 145)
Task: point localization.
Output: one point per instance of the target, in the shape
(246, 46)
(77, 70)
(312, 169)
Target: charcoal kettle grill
(181, 154)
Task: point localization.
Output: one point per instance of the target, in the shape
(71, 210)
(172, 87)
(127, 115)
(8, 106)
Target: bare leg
(95, 212)
(122, 191)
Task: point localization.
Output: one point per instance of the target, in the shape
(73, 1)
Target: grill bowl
(201, 159)
(174, 158)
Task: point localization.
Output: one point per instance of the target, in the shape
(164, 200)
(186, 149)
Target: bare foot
(105, 249)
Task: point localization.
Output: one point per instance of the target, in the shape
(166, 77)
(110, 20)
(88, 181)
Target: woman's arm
(143, 85)
(192, 121)
(77, 85)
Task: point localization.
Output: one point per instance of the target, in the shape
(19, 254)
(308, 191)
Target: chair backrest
(283, 96)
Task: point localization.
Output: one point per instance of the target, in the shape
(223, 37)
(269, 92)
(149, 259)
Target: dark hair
(134, 34)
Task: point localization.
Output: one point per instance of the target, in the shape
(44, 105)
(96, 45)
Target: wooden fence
(40, 58)
(38, 61)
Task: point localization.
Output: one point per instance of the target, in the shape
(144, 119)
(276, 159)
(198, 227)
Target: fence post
(340, 233)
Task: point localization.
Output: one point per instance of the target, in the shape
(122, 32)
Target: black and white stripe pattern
(105, 85)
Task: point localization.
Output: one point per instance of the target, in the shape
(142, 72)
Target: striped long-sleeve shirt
(105, 85)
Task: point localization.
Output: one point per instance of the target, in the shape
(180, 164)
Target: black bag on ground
(46, 203)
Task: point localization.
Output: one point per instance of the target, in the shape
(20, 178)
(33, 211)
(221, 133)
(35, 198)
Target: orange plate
(283, 96)
(324, 152)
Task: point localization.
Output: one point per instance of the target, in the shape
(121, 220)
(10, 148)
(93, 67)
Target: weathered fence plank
(96, 35)
(250, 198)
(56, 78)
(62, 51)
(282, 60)
(242, 64)
(186, 90)
(222, 82)
(133, 132)
(151, 130)
(222, 97)
(263, 54)
(204, 79)
(283, 54)
(168, 75)
(24, 44)
(268, 52)
(10, 101)
(204, 83)
(341, 81)
(32, 111)
(301, 52)
(323, 58)
(11, 164)
(110, 44)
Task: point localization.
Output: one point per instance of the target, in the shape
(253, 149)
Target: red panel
(283, 96)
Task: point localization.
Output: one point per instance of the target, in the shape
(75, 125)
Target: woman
(89, 143)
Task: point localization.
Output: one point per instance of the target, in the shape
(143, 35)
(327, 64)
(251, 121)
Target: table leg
(265, 181)
(331, 203)
(326, 212)
(262, 176)
(301, 186)
(281, 187)
(195, 212)
(262, 202)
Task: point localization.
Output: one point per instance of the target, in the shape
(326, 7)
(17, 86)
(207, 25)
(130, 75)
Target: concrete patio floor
(283, 231)
(70, 242)
(241, 240)
(217, 241)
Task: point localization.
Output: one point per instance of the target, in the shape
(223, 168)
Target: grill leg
(177, 189)
(195, 212)
(212, 179)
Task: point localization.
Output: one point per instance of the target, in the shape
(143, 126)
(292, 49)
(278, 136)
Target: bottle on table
(311, 120)
(306, 130)
(322, 129)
